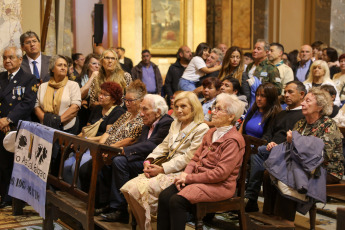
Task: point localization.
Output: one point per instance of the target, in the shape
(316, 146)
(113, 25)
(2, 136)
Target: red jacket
(214, 168)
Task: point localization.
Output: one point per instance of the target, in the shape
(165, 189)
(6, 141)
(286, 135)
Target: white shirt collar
(38, 60)
(14, 73)
(297, 108)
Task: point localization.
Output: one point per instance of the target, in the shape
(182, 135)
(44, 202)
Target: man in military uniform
(17, 99)
(261, 67)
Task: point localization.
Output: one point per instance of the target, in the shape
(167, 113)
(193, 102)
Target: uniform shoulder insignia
(34, 88)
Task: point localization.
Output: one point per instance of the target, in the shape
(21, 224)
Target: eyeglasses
(218, 109)
(95, 63)
(129, 100)
(109, 58)
(30, 42)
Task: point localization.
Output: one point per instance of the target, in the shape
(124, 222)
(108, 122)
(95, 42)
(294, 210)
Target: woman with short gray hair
(211, 174)
(316, 107)
(59, 100)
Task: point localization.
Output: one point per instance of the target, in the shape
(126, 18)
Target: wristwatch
(9, 120)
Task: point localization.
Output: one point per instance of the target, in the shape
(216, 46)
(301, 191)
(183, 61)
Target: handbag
(162, 159)
(91, 130)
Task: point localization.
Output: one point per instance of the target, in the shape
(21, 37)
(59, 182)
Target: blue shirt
(149, 79)
(254, 127)
(302, 71)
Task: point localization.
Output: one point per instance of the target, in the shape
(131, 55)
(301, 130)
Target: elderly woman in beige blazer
(185, 136)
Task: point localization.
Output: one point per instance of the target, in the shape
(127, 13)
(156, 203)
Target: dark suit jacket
(143, 147)
(11, 105)
(128, 65)
(45, 76)
(295, 71)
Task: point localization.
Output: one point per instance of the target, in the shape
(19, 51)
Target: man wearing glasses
(34, 62)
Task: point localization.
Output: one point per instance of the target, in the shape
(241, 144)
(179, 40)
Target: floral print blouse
(121, 130)
(326, 129)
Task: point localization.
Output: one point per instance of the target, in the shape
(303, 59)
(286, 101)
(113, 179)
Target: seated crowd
(172, 159)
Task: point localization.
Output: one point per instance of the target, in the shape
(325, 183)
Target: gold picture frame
(164, 26)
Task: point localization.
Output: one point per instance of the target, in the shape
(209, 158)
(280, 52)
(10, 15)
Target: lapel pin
(15, 81)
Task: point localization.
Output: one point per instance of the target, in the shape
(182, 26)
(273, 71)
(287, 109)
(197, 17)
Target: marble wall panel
(241, 23)
(337, 27)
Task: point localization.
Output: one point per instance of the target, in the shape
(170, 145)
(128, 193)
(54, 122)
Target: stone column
(337, 26)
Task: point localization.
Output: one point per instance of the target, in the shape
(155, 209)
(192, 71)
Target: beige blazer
(186, 151)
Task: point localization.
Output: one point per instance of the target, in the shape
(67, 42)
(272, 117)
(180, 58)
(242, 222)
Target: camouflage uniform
(267, 72)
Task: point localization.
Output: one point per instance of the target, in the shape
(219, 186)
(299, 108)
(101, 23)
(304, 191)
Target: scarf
(51, 102)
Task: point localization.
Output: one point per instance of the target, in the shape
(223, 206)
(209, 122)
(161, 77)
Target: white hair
(158, 102)
(232, 104)
(18, 51)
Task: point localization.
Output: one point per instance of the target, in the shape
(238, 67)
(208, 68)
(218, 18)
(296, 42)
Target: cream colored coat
(186, 151)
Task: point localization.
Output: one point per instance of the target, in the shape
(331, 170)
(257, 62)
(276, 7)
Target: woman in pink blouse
(211, 174)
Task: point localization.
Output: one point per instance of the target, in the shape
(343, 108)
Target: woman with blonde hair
(233, 66)
(110, 71)
(319, 75)
(184, 138)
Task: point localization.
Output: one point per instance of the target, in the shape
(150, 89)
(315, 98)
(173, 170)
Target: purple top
(302, 71)
(149, 79)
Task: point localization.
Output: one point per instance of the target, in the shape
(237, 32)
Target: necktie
(10, 77)
(36, 73)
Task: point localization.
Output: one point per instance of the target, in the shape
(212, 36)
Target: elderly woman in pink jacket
(211, 174)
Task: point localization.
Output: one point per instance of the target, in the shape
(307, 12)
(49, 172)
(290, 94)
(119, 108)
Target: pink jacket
(214, 168)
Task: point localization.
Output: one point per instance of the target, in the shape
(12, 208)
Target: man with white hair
(17, 99)
(153, 110)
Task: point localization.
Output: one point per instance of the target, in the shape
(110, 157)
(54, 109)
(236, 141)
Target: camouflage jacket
(267, 72)
(326, 129)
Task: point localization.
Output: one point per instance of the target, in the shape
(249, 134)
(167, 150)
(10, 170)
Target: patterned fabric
(94, 94)
(326, 129)
(267, 72)
(122, 129)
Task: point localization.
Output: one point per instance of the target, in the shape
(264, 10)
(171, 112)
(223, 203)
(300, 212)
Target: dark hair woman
(265, 107)
(196, 68)
(233, 66)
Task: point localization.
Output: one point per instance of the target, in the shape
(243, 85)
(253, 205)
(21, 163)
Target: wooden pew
(67, 198)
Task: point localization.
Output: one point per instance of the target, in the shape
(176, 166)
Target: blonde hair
(116, 76)
(323, 99)
(324, 66)
(193, 100)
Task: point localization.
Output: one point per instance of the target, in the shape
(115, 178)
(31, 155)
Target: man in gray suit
(34, 62)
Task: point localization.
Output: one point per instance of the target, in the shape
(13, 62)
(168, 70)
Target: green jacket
(267, 72)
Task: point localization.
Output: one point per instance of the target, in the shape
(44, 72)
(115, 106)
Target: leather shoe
(252, 206)
(5, 204)
(117, 216)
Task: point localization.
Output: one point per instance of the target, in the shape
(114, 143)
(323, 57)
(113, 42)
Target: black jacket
(174, 74)
(127, 66)
(144, 146)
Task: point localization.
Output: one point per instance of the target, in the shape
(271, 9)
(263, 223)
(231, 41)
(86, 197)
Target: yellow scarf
(51, 102)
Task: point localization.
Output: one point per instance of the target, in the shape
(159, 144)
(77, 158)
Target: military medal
(13, 93)
(23, 90)
(19, 92)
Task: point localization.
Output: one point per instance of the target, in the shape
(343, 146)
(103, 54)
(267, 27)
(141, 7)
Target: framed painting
(164, 26)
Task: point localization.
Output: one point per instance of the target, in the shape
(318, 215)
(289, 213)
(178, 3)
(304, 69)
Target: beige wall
(292, 26)
(31, 16)
(131, 30)
(84, 26)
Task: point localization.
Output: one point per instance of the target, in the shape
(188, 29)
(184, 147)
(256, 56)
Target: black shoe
(252, 206)
(5, 204)
(103, 210)
(117, 216)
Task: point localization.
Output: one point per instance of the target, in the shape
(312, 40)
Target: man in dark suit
(126, 63)
(301, 70)
(34, 62)
(130, 164)
(17, 99)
